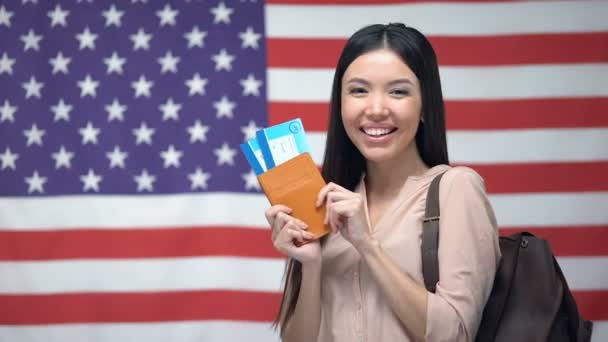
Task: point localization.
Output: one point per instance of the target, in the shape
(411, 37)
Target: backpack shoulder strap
(430, 236)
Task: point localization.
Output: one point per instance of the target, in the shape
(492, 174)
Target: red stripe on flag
(179, 242)
(181, 306)
(476, 115)
(544, 177)
(592, 305)
(370, 2)
(136, 243)
(138, 307)
(569, 241)
(530, 113)
(458, 51)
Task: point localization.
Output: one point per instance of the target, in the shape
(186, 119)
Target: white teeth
(376, 132)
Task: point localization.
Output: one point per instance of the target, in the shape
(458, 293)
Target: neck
(386, 178)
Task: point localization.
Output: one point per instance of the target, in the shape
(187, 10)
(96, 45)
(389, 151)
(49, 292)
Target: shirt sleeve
(468, 257)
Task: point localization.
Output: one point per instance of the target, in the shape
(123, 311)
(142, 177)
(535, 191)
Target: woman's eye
(357, 91)
(400, 92)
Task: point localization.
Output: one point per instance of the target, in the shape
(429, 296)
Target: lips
(377, 132)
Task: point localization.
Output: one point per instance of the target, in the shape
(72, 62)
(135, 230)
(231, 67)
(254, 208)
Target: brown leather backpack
(530, 298)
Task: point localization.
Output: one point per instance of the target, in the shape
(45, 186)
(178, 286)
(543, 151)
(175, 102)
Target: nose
(376, 107)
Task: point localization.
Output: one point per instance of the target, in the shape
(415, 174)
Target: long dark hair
(343, 163)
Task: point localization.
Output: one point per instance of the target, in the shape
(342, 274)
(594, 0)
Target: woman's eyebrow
(358, 80)
(399, 81)
(391, 83)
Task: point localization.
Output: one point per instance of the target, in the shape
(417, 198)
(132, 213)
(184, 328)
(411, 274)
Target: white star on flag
(114, 63)
(62, 111)
(6, 64)
(167, 16)
(141, 40)
(115, 110)
(31, 41)
(58, 16)
(5, 16)
(63, 158)
(251, 181)
(224, 107)
(7, 112)
(195, 37)
(60, 63)
(221, 13)
(145, 181)
(34, 135)
(86, 39)
(32, 88)
(196, 85)
(35, 183)
(88, 86)
(198, 132)
(225, 154)
(251, 85)
(171, 157)
(90, 181)
(250, 130)
(198, 179)
(143, 134)
(113, 16)
(223, 60)
(168, 63)
(117, 157)
(142, 87)
(170, 110)
(8, 159)
(89, 133)
(249, 38)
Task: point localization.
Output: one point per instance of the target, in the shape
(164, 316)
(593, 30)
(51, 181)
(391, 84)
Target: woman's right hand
(286, 230)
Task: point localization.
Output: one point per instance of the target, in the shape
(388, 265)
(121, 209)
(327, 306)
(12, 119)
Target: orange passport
(296, 184)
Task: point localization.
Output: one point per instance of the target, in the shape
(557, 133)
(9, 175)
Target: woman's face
(381, 106)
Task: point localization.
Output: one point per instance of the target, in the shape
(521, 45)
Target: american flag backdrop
(128, 213)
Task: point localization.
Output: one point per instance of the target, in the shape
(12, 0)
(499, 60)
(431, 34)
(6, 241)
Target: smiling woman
(381, 106)
(386, 142)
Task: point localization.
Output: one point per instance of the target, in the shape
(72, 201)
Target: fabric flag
(127, 212)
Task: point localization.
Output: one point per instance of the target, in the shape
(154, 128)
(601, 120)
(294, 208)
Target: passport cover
(296, 184)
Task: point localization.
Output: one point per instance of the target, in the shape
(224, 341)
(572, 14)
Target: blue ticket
(281, 142)
(253, 154)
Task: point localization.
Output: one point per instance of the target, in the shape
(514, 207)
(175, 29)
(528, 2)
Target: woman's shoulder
(463, 176)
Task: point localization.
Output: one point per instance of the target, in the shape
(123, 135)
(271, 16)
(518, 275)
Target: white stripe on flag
(188, 331)
(512, 210)
(192, 273)
(501, 82)
(511, 146)
(208, 331)
(444, 19)
(551, 209)
(64, 212)
(201, 273)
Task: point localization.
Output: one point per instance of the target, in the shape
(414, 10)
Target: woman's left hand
(345, 213)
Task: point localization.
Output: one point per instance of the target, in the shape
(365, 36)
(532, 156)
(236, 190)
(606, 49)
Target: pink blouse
(353, 306)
